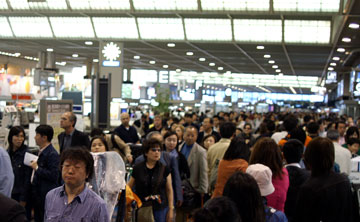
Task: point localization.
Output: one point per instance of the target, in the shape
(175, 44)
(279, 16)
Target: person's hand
(179, 203)
(23, 203)
(33, 164)
(170, 215)
(129, 158)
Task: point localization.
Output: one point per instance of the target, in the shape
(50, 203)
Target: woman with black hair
(22, 173)
(351, 132)
(235, 159)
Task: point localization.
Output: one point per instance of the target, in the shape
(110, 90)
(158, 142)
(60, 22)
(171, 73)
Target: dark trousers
(39, 207)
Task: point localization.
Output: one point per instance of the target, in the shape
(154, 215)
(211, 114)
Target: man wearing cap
(263, 176)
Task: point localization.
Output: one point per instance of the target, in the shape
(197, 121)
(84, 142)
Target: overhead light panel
(336, 58)
(278, 70)
(235, 5)
(72, 27)
(267, 56)
(171, 45)
(306, 5)
(136, 57)
(271, 61)
(109, 27)
(220, 68)
(208, 29)
(152, 62)
(275, 66)
(330, 68)
(165, 66)
(297, 31)
(95, 60)
(202, 59)
(49, 50)
(189, 53)
(257, 30)
(333, 64)
(260, 47)
(178, 70)
(161, 28)
(346, 39)
(165, 5)
(31, 27)
(75, 55)
(211, 64)
(3, 5)
(354, 25)
(5, 28)
(89, 43)
(281, 74)
(99, 4)
(38, 5)
(340, 50)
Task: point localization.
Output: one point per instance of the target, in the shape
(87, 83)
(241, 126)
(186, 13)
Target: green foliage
(163, 98)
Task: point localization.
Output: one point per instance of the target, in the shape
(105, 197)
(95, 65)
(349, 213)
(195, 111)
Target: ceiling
(234, 56)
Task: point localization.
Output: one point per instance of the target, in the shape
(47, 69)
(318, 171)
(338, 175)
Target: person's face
(154, 153)
(65, 121)
(194, 118)
(97, 146)
(216, 122)
(247, 129)
(206, 124)
(179, 132)
(354, 135)
(171, 142)
(17, 140)
(190, 136)
(208, 142)
(341, 129)
(125, 119)
(74, 173)
(354, 148)
(39, 140)
(188, 120)
(157, 122)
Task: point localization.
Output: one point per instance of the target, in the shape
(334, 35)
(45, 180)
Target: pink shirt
(278, 198)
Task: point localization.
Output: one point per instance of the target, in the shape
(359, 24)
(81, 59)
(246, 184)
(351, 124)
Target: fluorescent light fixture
(220, 68)
(297, 31)
(340, 50)
(292, 90)
(189, 53)
(267, 56)
(354, 25)
(234, 5)
(346, 39)
(333, 64)
(278, 70)
(60, 63)
(281, 74)
(178, 70)
(257, 30)
(165, 5)
(31, 27)
(3, 5)
(271, 61)
(72, 27)
(171, 45)
(202, 59)
(46, 5)
(113, 28)
(330, 68)
(307, 5)
(95, 60)
(211, 64)
(161, 28)
(75, 55)
(50, 50)
(136, 57)
(17, 54)
(275, 66)
(152, 62)
(208, 29)
(336, 58)
(260, 47)
(165, 66)
(347, 53)
(5, 28)
(89, 43)
(99, 5)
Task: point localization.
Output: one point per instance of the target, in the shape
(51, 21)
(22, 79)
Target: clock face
(111, 51)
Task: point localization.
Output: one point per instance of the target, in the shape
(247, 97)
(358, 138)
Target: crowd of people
(228, 167)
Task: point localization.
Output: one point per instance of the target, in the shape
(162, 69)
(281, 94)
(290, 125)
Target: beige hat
(263, 176)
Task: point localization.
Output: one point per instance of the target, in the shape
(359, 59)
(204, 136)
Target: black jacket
(79, 139)
(10, 210)
(22, 174)
(297, 178)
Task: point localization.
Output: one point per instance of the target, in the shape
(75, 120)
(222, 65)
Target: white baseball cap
(263, 176)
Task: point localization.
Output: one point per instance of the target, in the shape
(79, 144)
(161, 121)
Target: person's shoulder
(54, 192)
(95, 198)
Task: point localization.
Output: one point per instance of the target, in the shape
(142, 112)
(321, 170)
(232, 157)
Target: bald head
(125, 119)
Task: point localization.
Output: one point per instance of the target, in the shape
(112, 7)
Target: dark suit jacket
(201, 137)
(46, 176)
(78, 139)
(10, 210)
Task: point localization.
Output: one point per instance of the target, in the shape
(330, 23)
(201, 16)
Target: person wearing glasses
(247, 135)
(74, 201)
(152, 182)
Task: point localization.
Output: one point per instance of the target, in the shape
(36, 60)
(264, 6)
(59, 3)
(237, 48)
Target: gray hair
(151, 134)
(333, 135)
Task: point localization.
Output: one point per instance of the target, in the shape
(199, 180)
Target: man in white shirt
(342, 155)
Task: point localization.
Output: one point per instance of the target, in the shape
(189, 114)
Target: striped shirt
(87, 206)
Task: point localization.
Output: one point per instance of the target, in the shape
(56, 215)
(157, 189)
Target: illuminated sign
(111, 52)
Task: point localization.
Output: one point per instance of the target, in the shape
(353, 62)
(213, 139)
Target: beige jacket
(121, 144)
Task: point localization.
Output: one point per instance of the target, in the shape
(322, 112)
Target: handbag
(192, 198)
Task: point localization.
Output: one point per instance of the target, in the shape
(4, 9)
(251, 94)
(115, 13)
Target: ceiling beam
(250, 58)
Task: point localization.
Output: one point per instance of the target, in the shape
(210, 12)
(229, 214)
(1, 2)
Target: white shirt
(293, 164)
(342, 157)
(278, 136)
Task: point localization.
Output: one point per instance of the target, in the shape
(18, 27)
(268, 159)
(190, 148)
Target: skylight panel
(99, 4)
(307, 31)
(122, 28)
(235, 5)
(208, 29)
(5, 28)
(3, 5)
(161, 28)
(72, 27)
(47, 5)
(165, 5)
(257, 30)
(307, 5)
(31, 27)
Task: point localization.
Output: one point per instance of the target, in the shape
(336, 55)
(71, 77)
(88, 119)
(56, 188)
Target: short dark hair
(247, 124)
(307, 118)
(45, 130)
(313, 127)
(151, 143)
(97, 132)
(293, 151)
(299, 134)
(211, 120)
(205, 138)
(188, 115)
(270, 125)
(237, 149)
(339, 122)
(352, 141)
(319, 156)
(14, 131)
(79, 154)
(227, 129)
(333, 134)
(218, 209)
(350, 131)
(102, 140)
(290, 122)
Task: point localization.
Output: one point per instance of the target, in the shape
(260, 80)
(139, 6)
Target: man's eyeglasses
(155, 149)
(68, 166)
